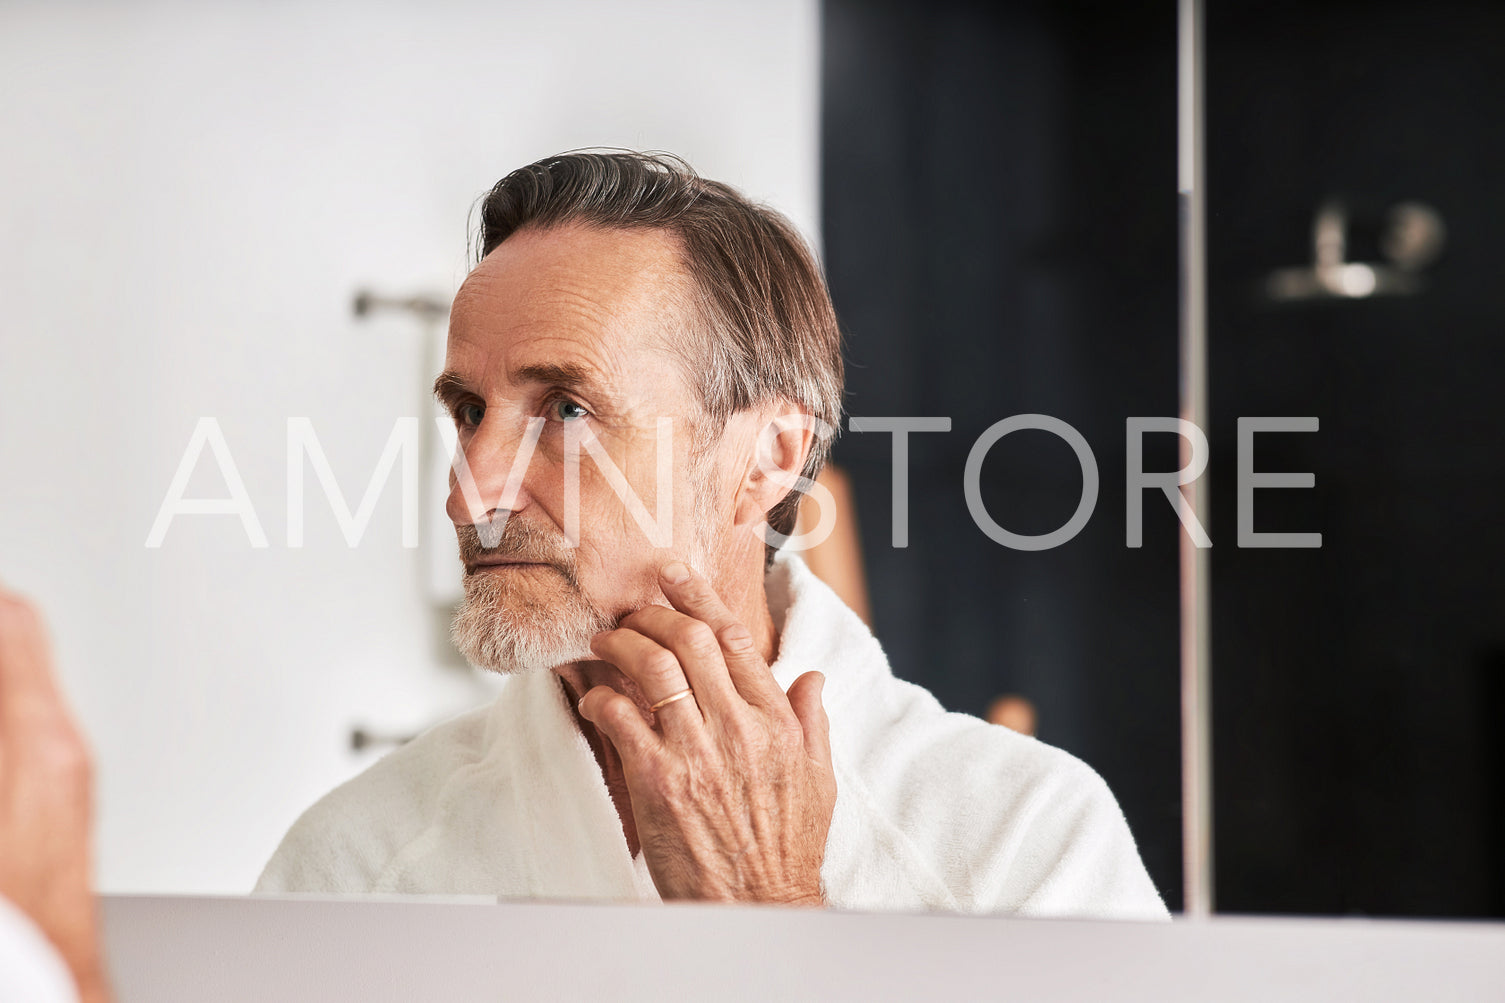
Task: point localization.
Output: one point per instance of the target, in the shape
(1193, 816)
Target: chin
(513, 657)
(500, 629)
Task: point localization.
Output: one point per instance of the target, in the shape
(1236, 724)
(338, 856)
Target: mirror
(236, 232)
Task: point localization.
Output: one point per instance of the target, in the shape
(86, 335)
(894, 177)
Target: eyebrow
(451, 388)
(565, 376)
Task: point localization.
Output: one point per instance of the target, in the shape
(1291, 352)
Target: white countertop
(169, 949)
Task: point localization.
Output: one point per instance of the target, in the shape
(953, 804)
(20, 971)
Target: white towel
(934, 811)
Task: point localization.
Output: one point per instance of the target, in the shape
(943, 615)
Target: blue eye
(470, 415)
(567, 410)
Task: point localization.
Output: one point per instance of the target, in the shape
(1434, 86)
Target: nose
(488, 474)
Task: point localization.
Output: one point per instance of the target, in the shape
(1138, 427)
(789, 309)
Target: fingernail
(675, 573)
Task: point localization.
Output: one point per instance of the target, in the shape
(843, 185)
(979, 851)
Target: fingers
(620, 720)
(29, 695)
(691, 646)
(656, 672)
(694, 597)
(805, 698)
(38, 737)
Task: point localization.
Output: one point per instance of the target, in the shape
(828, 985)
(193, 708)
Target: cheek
(615, 580)
(618, 560)
(620, 494)
(614, 546)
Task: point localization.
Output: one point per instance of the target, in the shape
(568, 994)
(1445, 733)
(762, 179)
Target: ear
(785, 435)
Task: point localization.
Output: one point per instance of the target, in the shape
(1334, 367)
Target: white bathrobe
(934, 811)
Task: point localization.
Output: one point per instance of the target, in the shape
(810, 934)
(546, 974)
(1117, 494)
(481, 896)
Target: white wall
(189, 196)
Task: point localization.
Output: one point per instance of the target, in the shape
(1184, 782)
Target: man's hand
(45, 799)
(732, 789)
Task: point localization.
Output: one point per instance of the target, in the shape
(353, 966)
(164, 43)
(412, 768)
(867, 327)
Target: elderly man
(690, 714)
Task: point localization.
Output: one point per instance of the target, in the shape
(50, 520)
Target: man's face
(571, 326)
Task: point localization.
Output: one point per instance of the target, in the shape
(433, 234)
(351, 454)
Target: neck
(747, 601)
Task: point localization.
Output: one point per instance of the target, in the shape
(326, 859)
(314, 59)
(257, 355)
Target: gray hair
(768, 329)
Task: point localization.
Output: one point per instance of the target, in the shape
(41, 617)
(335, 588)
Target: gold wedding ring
(666, 701)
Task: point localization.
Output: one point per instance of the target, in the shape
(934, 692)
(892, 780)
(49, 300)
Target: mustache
(516, 541)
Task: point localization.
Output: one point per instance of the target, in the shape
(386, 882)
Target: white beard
(507, 623)
(498, 627)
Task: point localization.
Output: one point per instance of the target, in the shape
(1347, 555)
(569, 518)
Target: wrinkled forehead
(617, 294)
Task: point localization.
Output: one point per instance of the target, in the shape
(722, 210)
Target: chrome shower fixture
(1412, 237)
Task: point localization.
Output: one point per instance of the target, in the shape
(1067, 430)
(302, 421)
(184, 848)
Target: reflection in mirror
(639, 373)
(998, 199)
